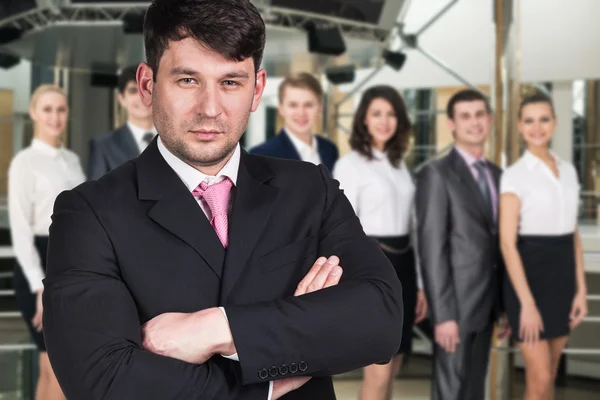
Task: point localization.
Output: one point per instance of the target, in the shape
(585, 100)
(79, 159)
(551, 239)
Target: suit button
(263, 374)
(283, 370)
(293, 368)
(273, 372)
(303, 366)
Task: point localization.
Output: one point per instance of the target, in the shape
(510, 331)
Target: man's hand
(504, 330)
(446, 335)
(323, 274)
(196, 337)
(193, 338)
(286, 385)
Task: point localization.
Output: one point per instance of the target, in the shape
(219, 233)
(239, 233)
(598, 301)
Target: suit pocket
(289, 255)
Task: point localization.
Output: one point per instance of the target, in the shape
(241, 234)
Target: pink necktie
(217, 198)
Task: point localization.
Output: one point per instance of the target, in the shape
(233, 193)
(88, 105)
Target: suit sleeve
(334, 330)
(92, 329)
(96, 163)
(432, 205)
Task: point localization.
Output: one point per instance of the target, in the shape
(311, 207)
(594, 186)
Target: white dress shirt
(382, 195)
(138, 135)
(191, 177)
(548, 204)
(307, 153)
(36, 176)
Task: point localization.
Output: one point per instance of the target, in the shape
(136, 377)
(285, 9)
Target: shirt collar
(45, 147)
(138, 133)
(378, 154)
(191, 177)
(532, 161)
(300, 145)
(469, 159)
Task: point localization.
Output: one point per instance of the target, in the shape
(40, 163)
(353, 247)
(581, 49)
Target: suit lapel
(175, 209)
(288, 147)
(465, 176)
(326, 158)
(252, 206)
(126, 142)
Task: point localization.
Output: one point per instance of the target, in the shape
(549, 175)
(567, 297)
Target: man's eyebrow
(183, 71)
(228, 75)
(236, 74)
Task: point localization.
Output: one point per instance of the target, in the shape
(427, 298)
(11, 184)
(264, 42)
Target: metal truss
(274, 17)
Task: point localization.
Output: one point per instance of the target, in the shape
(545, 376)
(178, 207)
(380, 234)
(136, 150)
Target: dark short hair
(302, 80)
(464, 96)
(535, 99)
(232, 28)
(360, 139)
(128, 74)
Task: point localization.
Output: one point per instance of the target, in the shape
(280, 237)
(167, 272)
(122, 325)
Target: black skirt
(549, 264)
(26, 300)
(401, 254)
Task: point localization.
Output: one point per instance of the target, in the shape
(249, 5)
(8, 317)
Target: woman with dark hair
(545, 290)
(379, 186)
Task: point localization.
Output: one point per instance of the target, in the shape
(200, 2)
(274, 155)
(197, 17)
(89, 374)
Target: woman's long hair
(362, 141)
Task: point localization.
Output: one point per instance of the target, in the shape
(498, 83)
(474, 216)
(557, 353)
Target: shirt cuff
(233, 357)
(270, 390)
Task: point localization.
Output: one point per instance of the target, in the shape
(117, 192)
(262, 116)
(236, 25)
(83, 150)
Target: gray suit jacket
(110, 150)
(458, 244)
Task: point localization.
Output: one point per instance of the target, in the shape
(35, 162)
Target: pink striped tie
(217, 198)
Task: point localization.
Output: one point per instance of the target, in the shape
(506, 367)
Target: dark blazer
(110, 150)
(135, 244)
(458, 244)
(281, 146)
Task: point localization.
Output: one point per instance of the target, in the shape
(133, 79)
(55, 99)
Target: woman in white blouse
(37, 175)
(545, 290)
(379, 186)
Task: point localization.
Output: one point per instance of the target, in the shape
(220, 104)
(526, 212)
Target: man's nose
(209, 102)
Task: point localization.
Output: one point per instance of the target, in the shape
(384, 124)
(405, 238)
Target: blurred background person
(37, 175)
(379, 186)
(300, 106)
(545, 291)
(112, 149)
(456, 202)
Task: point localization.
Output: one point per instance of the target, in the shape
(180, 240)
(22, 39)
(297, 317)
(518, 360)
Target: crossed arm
(93, 331)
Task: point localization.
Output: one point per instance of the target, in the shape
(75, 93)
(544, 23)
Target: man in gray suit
(114, 148)
(457, 210)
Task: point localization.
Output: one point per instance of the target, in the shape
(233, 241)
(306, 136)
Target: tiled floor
(418, 389)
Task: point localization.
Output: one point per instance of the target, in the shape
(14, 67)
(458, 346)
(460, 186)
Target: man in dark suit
(457, 212)
(175, 276)
(300, 105)
(112, 149)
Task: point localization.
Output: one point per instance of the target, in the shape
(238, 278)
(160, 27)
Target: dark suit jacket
(110, 150)
(281, 146)
(458, 244)
(135, 244)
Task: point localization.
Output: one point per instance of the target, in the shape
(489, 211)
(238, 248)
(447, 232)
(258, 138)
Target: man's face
(201, 101)
(131, 101)
(300, 109)
(472, 123)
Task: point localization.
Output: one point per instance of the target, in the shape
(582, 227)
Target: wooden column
(6, 137)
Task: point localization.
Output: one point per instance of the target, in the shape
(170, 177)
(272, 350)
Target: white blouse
(382, 196)
(37, 175)
(549, 204)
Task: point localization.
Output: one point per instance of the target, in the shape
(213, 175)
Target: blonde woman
(37, 175)
(545, 290)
